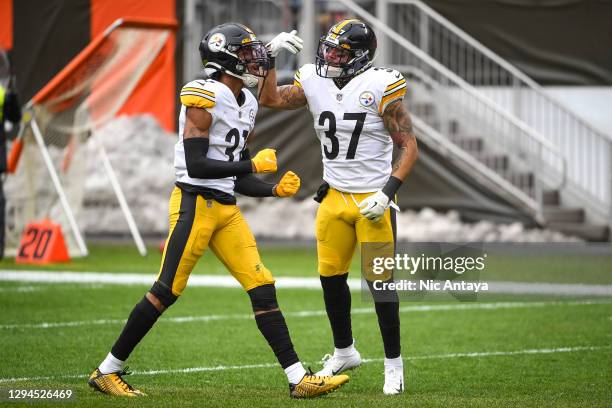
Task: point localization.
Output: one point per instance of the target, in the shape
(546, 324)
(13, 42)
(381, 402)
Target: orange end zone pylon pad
(42, 242)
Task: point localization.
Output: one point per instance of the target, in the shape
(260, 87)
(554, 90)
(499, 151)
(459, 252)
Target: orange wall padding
(6, 24)
(155, 93)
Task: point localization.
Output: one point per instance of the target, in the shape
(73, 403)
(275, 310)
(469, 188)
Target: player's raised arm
(285, 96)
(196, 143)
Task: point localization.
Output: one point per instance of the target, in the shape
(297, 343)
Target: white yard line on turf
(531, 288)
(188, 370)
(312, 313)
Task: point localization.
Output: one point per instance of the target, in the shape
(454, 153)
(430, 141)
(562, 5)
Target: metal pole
(424, 31)
(110, 172)
(192, 30)
(608, 173)
(58, 188)
(307, 32)
(382, 53)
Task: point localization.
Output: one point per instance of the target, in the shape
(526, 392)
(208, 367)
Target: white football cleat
(394, 380)
(334, 365)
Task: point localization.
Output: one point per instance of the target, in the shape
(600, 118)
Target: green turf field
(501, 351)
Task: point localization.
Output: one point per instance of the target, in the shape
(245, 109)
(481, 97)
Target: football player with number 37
(358, 115)
(211, 162)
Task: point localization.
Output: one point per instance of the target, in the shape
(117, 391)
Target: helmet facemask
(254, 58)
(336, 61)
(254, 62)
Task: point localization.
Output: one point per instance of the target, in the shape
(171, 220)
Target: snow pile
(290, 219)
(142, 155)
(429, 225)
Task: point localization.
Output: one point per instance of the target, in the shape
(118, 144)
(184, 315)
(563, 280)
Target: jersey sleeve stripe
(394, 95)
(204, 91)
(196, 101)
(395, 84)
(390, 98)
(297, 79)
(397, 88)
(194, 93)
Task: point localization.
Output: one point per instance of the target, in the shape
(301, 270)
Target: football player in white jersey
(211, 162)
(358, 115)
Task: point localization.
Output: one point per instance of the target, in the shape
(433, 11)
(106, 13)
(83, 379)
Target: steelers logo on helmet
(366, 98)
(233, 49)
(216, 42)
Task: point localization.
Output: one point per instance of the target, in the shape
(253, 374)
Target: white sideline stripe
(38, 288)
(189, 370)
(22, 289)
(311, 313)
(531, 288)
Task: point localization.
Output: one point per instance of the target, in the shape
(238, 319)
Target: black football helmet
(346, 50)
(233, 49)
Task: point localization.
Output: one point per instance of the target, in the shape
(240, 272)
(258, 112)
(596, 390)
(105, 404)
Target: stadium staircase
(494, 123)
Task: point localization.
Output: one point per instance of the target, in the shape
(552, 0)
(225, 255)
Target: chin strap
(248, 79)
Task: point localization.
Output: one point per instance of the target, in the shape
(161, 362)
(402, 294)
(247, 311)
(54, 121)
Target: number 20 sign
(42, 242)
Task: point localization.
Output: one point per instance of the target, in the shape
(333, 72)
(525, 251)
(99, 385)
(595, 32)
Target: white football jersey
(231, 126)
(356, 148)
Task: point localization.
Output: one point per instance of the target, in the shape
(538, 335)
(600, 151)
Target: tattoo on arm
(291, 97)
(192, 131)
(397, 121)
(399, 125)
(197, 123)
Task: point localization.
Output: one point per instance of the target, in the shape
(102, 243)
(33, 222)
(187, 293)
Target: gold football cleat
(315, 385)
(113, 384)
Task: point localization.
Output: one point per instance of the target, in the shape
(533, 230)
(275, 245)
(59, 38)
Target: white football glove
(375, 205)
(289, 41)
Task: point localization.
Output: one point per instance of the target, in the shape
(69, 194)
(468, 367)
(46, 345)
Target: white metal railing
(479, 171)
(588, 152)
(464, 102)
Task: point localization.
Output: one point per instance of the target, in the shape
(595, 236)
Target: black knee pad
(263, 298)
(336, 292)
(163, 293)
(334, 283)
(147, 309)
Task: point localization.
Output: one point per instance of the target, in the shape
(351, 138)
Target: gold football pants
(340, 226)
(197, 223)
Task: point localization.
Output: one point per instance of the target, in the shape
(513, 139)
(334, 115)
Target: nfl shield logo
(339, 97)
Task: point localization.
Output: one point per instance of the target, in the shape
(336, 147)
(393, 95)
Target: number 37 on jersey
(356, 147)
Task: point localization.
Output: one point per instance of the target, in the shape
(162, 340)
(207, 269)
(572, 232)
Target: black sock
(386, 303)
(389, 323)
(273, 327)
(143, 317)
(337, 298)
